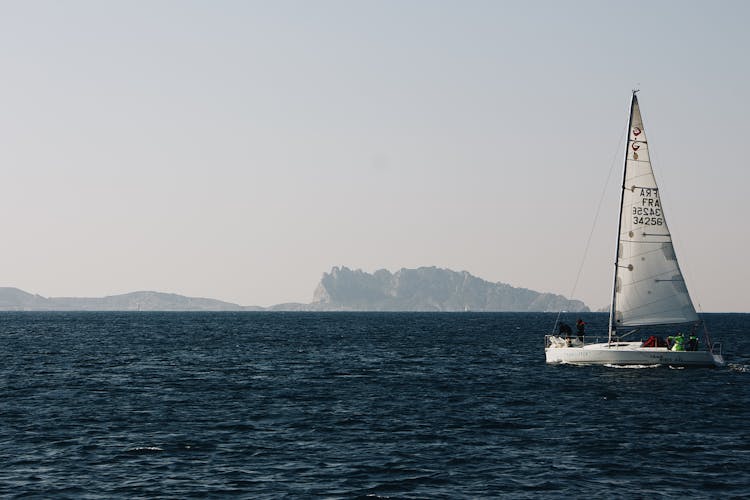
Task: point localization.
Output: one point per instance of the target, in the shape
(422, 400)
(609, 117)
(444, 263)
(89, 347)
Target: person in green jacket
(679, 342)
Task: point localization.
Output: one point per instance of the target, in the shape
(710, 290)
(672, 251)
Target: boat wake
(739, 368)
(631, 367)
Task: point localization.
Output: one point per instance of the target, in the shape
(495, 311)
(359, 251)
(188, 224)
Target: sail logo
(634, 146)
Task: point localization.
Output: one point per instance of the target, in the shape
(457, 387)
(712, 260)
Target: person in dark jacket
(692, 343)
(565, 330)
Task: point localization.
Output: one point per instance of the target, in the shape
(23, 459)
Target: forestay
(649, 286)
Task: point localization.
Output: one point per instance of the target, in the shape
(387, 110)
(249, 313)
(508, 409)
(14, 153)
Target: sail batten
(649, 286)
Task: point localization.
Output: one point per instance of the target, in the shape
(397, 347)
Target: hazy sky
(237, 150)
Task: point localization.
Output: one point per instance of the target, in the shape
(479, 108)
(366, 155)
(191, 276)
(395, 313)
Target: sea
(357, 405)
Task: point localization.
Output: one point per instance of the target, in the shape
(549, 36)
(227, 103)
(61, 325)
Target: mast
(619, 219)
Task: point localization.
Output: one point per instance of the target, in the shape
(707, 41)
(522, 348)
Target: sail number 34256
(647, 216)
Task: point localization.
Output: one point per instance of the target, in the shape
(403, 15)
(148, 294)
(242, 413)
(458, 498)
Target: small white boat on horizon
(649, 289)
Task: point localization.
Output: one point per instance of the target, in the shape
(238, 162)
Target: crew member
(679, 342)
(565, 330)
(692, 343)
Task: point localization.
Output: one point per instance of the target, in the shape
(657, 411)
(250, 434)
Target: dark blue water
(265, 405)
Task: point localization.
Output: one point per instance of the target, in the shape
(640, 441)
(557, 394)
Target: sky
(238, 150)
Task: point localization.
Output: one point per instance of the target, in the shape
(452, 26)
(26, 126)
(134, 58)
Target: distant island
(13, 299)
(429, 289)
(341, 289)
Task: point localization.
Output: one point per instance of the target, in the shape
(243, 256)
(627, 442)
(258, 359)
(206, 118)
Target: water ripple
(266, 405)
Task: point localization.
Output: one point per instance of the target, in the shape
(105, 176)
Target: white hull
(629, 353)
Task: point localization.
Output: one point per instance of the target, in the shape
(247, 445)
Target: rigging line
(596, 218)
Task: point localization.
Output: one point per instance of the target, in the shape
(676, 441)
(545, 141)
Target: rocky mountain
(428, 289)
(342, 289)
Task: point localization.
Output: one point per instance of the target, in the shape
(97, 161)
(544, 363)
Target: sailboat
(649, 289)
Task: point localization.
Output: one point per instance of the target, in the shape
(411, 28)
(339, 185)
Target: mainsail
(649, 287)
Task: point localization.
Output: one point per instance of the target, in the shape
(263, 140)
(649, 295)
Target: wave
(143, 450)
